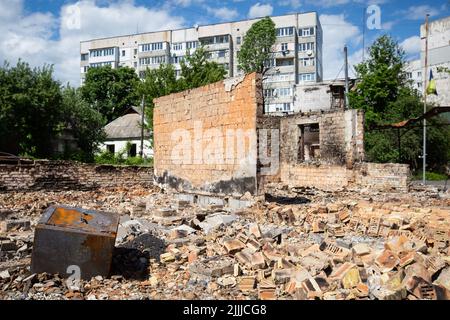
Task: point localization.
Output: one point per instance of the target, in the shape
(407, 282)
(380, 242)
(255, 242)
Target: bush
(119, 159)
(431, 176)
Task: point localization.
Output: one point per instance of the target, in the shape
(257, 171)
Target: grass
(431, 176)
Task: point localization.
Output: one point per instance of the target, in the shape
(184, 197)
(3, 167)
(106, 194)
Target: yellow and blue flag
(431, 89)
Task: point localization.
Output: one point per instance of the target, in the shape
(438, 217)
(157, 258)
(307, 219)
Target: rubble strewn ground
(299, 243)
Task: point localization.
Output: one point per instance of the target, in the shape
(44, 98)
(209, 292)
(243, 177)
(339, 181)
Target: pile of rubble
(297, 244)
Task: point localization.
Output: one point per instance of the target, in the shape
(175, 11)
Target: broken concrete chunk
(215, 220)
(361, 249)
(14, 224)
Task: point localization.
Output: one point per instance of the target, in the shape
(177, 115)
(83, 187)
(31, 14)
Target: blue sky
(50, 31)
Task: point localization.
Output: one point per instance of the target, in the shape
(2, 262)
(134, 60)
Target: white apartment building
(414, 73)
(296, 58)
(438, 58)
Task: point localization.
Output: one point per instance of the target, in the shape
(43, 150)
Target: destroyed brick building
(290, 211)
(218, 139)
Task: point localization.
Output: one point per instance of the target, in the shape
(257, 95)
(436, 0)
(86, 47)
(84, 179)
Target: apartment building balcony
(154, 53)
(306, 69)
(282, 69)
(284, 54)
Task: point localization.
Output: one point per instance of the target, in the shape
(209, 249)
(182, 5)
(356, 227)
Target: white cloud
(337, 31)
(260, 10)
(223, 13)
(34, 37)
(419, 12)
(411, 45)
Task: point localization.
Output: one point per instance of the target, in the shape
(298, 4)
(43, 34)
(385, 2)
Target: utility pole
(142, 127)
(346, 77)
(364, 33)
(424, 155)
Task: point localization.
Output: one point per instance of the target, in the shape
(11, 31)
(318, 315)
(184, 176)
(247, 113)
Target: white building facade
(296, 58)
(438, 59)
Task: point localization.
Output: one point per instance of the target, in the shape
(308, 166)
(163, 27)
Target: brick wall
(341, 136)
(383, 176)
(194, 137)
(67, 175)
(375, 176)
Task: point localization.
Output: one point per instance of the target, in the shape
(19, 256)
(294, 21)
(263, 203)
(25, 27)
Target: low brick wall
(68, 175)
(383, 176)
(375, 176)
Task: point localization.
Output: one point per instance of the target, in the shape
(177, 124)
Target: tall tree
(30, 101)
(111, 91)
(382, 79)
(197, 71)
(157, 83)
(385, 95)
(84, 123)
(257, 45)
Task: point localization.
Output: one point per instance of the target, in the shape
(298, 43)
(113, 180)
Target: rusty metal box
(67, 237)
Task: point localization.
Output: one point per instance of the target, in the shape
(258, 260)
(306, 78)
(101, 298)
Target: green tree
(197, 71)
(30, 101)
(84, 123)
(111, 91)
(157, 83)
(383, 92)
(256, 48)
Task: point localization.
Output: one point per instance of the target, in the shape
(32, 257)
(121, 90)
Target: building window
(86, 68)
(287, 106)
(419, 74)
(284, 47)
(135, 64)
(135, 51)
(177, 46)
(152, 60)
(284, 62)
(110, 148)
(409, 75)
(102, 64)
(308, 142)
(303, 47)
(191, 44)
(284, 32)
(133, 150)
(151, 46)
(221, 54)
(238, 40)
(102, 52)
(284, 92)
(84, 57)
(306, 62)
(280, 77)
(214, 40)
(268, 93)
(177, 59)
(306, 32)
(142, 74)
(307, 77)
(123, 53)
